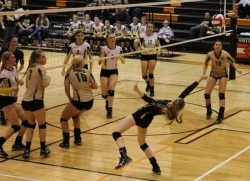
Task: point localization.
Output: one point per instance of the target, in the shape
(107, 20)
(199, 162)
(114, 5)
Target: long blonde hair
(76, 62)
(4, 58)
(173, 112)
(34, 56)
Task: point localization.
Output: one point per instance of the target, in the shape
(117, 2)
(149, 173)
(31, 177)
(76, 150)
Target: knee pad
(42, 126)
(221, 96)
(25, 123)
(144, 146)
(207, 96)
(151, 76)
(116, 135)
(32, 126)
(62, 120)
(16, 128)
(145, 77)
(75, 117)
(111, 92)
(104, 97)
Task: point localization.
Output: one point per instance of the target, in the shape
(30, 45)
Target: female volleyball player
(149, 58)
(79, 47)
(143, 117)
(33, 105)
(19, 55)
(219, 72)
(81, 81)
(8, 102)
(13, 47)
(109, 71)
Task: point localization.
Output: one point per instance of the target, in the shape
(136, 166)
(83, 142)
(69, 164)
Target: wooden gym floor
(197, 149)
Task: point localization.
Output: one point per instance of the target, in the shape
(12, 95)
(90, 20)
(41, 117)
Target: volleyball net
(54, 44)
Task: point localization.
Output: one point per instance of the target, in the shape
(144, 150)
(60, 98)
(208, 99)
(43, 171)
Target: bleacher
(186, 15)
(182, 16)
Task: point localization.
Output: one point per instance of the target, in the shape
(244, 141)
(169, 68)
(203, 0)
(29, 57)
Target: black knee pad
(116, 135)
(75, 117)
(111, 92)
(151, 76)
(144, 146)
(16, 128)
(61, 120)
(25, 123)
(144, 77)
(42, 126)
(104, 97)
(32, 126)
(207, 96)
(221, 96)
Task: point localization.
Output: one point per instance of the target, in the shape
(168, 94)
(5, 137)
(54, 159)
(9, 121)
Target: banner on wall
(243, 46)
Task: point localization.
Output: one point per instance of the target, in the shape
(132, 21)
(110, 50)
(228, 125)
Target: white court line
(223, 163)
(22, 178)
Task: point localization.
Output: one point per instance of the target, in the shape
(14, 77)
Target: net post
(233, 45)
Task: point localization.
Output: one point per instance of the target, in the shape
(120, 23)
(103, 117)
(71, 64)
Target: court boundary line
(79, 169)
(213, 124)
(205, 134)
(17, 177)
(222, 163)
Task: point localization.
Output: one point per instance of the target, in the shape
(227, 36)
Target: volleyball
(218, 21)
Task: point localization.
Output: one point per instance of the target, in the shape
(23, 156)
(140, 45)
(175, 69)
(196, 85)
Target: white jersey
(87, 26)
(111, 63)
(143, 29)
(79, 49)
(108, 30)
(165, 33)
(98, 28)
(11, 80)
(135, 28)
(75, 26)
(120, 32)
(149, 42)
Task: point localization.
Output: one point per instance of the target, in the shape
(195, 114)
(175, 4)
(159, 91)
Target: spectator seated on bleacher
(165, 34)
(244, 9)
(87, 25)
(75, 25)
(135, 31)
(42, 29)
(201, 29)
(123, 16)
(101, 13)
(112, 12)
(98, 31)
(26, 26)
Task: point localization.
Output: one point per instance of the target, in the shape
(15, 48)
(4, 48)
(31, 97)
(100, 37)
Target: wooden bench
(240, 22)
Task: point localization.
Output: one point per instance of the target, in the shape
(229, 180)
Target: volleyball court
(195, 149)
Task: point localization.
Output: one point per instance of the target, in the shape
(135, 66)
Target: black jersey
(144, 115)
(18, 54)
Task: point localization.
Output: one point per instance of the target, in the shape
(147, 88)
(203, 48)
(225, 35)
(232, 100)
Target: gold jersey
(36, 73)
(219, 63)
(80, 80)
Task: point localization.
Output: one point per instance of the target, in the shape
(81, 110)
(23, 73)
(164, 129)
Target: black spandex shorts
(6, 100)
(108, 73)
(217, 78)
(82, 105)
(148, 57)
(32, 105)
(142, 120)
